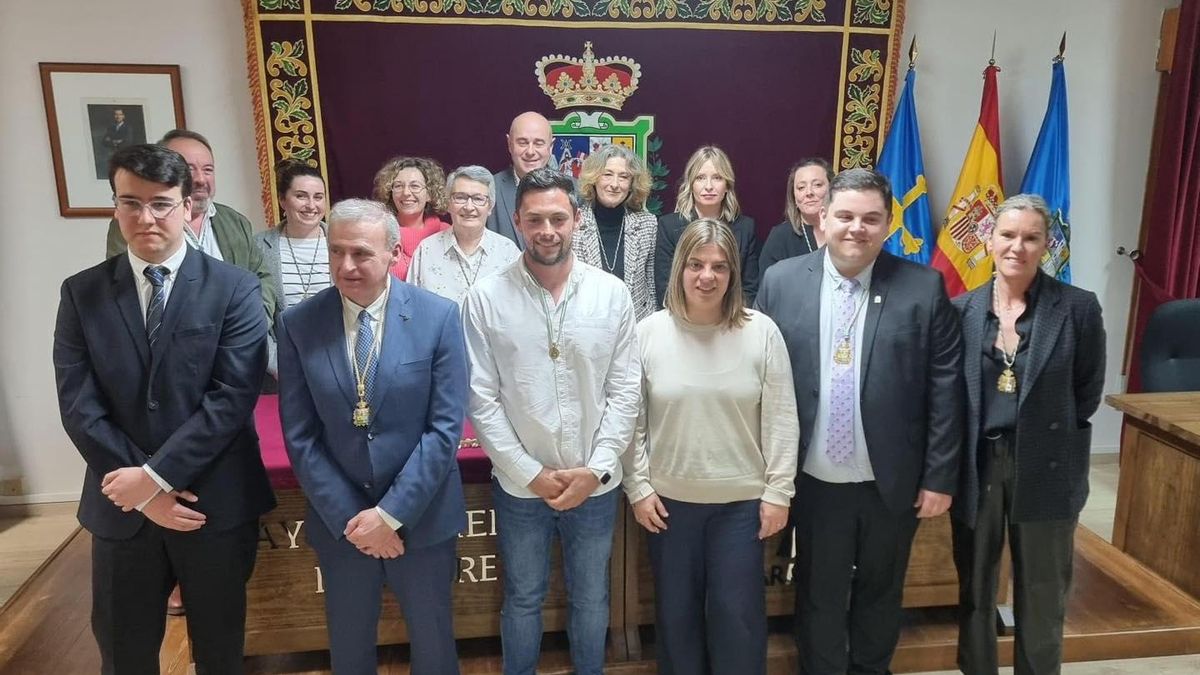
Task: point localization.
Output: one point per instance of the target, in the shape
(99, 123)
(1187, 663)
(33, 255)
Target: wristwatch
(602, 476)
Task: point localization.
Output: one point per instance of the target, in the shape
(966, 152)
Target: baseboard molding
(42, 498)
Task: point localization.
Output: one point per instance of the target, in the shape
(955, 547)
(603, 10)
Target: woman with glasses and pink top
(414, 189)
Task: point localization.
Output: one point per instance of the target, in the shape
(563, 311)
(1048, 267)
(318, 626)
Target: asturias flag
(960, 255)
(911, 233)
(1049, 175)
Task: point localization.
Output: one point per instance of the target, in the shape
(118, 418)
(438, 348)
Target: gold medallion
(843, 353)
(362, 414)
(1007, 384)
(554, 350)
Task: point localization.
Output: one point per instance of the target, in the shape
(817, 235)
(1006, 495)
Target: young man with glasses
(158, 356)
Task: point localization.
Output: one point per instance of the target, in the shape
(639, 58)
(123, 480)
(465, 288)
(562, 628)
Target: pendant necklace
(553, 336)
(1007, 382)
(843, 351)
(610, 265)
(305, 281)
(463, 267)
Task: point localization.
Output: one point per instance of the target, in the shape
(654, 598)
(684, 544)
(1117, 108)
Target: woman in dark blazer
(707, 191)
(1034, 365)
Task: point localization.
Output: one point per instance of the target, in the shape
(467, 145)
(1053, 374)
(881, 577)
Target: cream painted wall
(1111, 88)
(1111, 83)
(38, 248)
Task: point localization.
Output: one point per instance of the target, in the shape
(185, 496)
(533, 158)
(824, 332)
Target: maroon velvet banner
(346, 84)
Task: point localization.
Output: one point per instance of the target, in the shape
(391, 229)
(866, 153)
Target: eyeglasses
(413, 188)
(461, 199)
(159, 209)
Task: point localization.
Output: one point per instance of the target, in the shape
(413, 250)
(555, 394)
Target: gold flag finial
(1062, 48)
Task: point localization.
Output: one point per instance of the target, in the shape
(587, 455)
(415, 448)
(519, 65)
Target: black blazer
(186, 407)
(911, 383)
(671, 227)
(1059, 391)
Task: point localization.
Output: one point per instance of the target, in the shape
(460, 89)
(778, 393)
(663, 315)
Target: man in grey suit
(876, 357)
(529, 143)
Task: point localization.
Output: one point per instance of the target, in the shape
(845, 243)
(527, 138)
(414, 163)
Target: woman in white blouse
(710, 472)
(450, 262)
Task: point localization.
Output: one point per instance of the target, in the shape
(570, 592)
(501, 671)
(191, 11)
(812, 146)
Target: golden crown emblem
(572, 82)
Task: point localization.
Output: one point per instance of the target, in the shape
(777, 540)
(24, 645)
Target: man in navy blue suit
(158, 356)
(372, 394)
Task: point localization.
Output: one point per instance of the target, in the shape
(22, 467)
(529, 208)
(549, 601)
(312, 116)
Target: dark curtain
(1169, 268)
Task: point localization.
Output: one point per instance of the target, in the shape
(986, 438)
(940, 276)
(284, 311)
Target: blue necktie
(157, 274)
(362, 351)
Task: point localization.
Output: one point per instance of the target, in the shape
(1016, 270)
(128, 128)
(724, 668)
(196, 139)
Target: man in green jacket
(213, 228)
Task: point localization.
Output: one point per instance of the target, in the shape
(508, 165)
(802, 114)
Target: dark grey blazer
(500, 220)
(1059, 391)
(911, 382)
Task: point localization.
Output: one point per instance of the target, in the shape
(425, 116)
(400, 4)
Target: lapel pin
(878, 299)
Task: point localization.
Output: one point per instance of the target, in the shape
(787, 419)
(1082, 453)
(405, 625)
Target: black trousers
(852, 554)
(710, 603)
(131, 579)
(1042, 555)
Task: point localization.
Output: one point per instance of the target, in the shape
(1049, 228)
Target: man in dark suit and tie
(876, 357)
(530, 142)
(372, 394)
(158, 356)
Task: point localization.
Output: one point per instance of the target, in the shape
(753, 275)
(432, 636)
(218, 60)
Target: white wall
(1111, 90)
(1110, 76)
(38, 248)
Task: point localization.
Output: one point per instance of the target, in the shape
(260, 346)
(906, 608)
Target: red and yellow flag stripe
(960, 255)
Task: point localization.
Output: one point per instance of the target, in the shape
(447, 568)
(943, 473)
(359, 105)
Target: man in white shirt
(555, 391)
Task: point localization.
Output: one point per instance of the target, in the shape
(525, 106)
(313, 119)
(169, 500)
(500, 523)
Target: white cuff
(387, 518)
(164, 485)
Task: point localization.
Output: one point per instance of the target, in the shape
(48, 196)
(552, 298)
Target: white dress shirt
(531, 411)
(145, 294)
(440, 266)
(857, 467)
(376, 310)
(206, 241)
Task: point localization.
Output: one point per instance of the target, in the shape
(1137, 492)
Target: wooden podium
(1158, 499)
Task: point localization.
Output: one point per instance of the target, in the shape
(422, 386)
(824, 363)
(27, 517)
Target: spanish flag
(960, 255)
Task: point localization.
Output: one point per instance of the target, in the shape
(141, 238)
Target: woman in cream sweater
(710, 473)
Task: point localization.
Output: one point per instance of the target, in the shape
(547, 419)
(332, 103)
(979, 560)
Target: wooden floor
(1117, 609)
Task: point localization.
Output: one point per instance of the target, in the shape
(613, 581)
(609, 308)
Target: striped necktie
(157, 274)
(363, 356)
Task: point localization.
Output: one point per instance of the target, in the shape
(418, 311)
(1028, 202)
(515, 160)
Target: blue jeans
(525, 528)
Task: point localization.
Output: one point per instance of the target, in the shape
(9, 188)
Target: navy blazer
(186, 407)
(405, 461)
(910, 381)
(1060, 390)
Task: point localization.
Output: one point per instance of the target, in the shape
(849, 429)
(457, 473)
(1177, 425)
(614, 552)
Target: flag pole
(1062, 48)
(912, 53)
(992, 60)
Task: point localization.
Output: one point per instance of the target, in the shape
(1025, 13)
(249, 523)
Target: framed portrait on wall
(95, 109)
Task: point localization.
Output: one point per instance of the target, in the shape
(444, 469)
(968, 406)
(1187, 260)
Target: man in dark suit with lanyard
(530, 142)
(158, 356)
(876, 357)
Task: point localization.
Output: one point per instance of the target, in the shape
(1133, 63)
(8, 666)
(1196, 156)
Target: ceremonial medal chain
(551, 335)
(362, 410)
(1007, 382)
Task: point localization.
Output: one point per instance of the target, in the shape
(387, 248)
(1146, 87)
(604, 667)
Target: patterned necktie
(840, 442)
(157, 274)
(363, 343)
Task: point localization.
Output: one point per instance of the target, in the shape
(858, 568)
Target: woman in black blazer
(707, 191)
(1034, 365)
